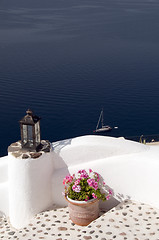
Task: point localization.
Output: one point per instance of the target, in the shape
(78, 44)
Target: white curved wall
(129, 168)
(29, 187)
(91, 148)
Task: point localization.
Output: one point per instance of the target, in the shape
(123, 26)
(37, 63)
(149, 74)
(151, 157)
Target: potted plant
(83, 193)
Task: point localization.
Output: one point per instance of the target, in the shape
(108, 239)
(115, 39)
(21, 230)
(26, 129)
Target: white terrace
(28, 187)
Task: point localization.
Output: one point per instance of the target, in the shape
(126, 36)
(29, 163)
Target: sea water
(66, 60)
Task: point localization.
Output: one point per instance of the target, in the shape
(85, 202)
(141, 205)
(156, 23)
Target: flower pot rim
(76, 202)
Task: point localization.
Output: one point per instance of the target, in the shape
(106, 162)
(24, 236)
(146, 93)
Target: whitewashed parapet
(29, 186)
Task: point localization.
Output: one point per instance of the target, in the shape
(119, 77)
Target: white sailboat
(103, 127)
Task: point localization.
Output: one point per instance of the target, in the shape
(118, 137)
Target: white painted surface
(4, 204)
(129, 168)
(29, 188)
(3, 169)
(91, 148)
(57, 180)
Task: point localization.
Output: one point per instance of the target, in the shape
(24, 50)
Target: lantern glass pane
(37, 132)
(24, 134)
(30, 135)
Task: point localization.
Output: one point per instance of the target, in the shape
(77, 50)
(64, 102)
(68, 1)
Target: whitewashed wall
(28, 186)
(129, 168)
(4, 204)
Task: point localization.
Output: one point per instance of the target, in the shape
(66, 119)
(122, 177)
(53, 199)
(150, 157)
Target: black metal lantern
(30, 131)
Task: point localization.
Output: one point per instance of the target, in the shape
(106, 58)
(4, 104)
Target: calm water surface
(67, 59)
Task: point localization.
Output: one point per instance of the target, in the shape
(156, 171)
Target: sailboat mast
(102, 120)
(99, 120)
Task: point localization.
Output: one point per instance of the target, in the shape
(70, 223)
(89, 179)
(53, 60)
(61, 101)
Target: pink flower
(108, 197)
(90, 170)
(110, 192)
(83, 173)
(93, 195)
(68, 179)
(96, 176)
(103, 183)
(76, 188)
(77, 182)
(92, 183)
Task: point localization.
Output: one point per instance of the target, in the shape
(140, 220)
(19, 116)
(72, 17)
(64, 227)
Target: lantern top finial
(29, 112)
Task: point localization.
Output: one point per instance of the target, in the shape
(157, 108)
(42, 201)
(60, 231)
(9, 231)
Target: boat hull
(104, 129)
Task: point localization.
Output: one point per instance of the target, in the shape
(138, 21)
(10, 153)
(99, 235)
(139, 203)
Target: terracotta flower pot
(82, 213)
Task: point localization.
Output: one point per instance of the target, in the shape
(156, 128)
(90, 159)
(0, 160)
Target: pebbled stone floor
(129, 220)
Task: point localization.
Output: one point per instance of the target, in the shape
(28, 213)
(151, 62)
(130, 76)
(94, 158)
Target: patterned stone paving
(129, 220)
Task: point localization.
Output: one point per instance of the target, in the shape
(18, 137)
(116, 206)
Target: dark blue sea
(68, 59)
